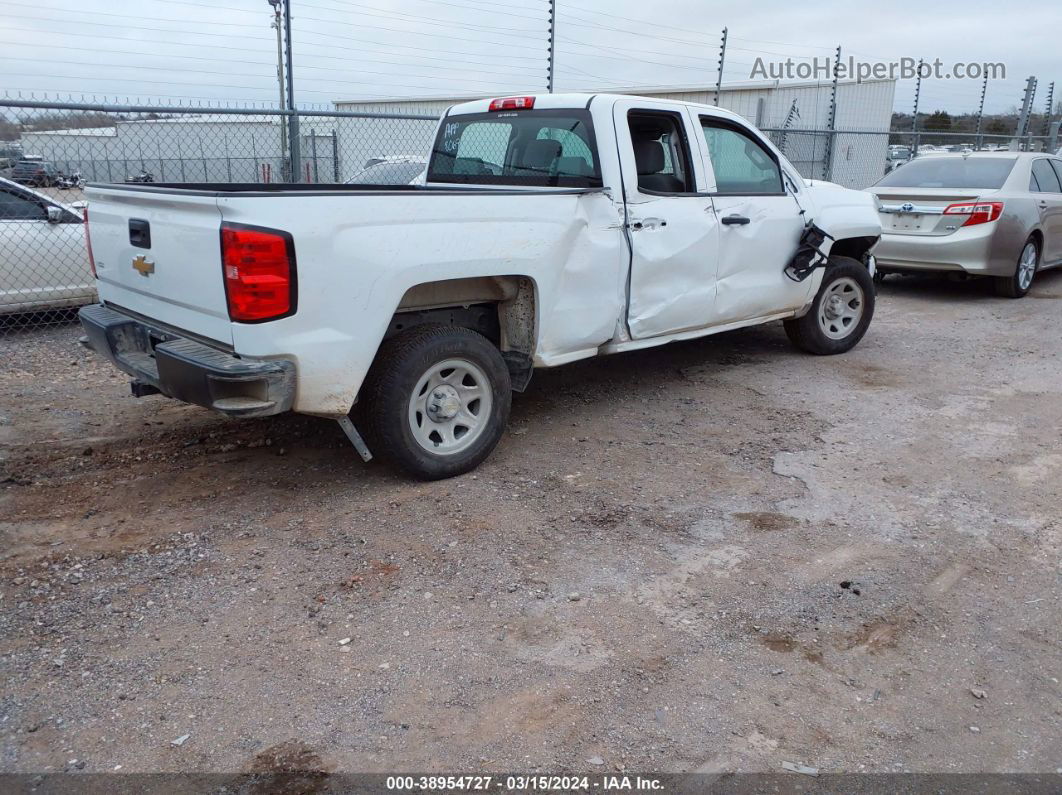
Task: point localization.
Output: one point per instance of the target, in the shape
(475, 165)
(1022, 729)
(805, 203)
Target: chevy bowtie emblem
(142, 266)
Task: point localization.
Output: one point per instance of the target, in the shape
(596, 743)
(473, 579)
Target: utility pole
(981, 111)
(277, 25)
(1050, 109)
(722, 63)
(552, 42)
(914, 123)
(1026, 109)
(293, 120)
(827, 165)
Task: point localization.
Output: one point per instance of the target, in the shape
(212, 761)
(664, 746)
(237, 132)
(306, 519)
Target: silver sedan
(996, 214)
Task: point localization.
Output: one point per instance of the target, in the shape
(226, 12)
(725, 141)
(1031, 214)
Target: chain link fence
(48, 151)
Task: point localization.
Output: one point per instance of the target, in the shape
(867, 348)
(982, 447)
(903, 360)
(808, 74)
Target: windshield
(950, 172)
(387, 174)
(543, 148)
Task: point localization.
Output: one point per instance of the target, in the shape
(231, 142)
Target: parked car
(43, 262)
(38, 173)
(551, 228)
(896, 157)
(982, 213)
(399, 170)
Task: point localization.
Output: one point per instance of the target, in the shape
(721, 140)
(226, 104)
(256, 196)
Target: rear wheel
(436, 400)
(1018, 285)
(841, 312)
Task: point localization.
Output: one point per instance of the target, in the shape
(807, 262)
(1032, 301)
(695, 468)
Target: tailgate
(158, 253)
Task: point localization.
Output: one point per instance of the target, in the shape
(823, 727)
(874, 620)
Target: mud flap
(355, 438)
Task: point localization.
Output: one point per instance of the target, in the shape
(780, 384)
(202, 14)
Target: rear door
(158, 253)
(1046, 179)
(673, 230)
(760, 223)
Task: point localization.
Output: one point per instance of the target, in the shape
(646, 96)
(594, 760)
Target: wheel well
(855, 247)
(501, 308)
(1038, 236)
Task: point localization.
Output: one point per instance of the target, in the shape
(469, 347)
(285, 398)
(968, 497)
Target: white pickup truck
(549, 229)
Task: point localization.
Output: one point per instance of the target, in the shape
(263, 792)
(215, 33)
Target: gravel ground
(719, 555)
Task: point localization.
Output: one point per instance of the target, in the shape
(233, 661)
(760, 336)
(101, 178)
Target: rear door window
(533, 148)
(1046, 177)
(661, 152)
(1057, 166)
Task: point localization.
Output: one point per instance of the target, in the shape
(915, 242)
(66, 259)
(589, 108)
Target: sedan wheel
(1027, 265)
(1018, 285)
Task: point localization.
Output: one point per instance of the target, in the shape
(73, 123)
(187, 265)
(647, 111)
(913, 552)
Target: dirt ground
(719, 555)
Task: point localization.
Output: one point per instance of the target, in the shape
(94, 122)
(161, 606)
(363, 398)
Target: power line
(228, 61)
(121, 16)
(244, 74)
(359, 25)
(653, 23)
(125, 27)
(418, 17)
(228, 48)
(418, 33)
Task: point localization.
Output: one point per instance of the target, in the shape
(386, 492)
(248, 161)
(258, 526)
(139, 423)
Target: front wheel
(841, 312)
(436, 400)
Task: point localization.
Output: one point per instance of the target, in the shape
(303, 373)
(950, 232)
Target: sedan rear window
(543, 148)
(387, 174)
(951, 172)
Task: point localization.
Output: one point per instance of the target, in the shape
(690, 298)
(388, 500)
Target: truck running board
(355, 438)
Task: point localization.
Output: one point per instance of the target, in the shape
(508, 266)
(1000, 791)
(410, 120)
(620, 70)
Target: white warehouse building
(787, 111)
(216, 147)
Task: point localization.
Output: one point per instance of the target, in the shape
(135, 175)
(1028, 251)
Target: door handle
(736, 220)
(647, 223)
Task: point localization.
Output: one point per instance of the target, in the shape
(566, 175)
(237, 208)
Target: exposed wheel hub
(834, 307)
(443, 403)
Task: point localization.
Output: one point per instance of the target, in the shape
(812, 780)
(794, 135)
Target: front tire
(436, 401)
(841, 312)
(1018, 285)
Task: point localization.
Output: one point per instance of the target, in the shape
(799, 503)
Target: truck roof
(578, 100)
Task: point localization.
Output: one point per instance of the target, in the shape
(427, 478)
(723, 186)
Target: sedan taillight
(976, 212)
(259, 270)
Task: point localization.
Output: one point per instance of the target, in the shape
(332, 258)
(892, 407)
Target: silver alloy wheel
(841, 308)
(1027, 266)
(450, 406)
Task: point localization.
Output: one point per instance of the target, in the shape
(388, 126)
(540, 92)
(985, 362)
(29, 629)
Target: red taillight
(88, 245)
(976, 212)
(512, 103)
(259, 268)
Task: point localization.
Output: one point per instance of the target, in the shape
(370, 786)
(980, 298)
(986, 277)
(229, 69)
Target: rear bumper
(187, 370)
(989, 250)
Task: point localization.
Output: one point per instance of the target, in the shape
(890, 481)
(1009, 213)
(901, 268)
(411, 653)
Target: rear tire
(1019, 284)
(841, 312)
(436, 401)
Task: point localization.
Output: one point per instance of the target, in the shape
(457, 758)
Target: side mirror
(55, 214)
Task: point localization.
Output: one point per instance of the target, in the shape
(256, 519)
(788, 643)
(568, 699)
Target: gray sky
(191, 50)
